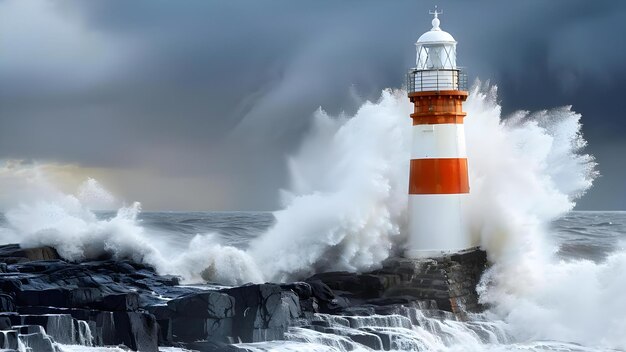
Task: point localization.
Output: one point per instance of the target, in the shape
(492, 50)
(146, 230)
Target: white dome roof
(436, 35)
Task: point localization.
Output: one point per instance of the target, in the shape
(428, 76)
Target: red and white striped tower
(438, 183)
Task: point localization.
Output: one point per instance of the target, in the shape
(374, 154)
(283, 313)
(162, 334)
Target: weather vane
(435, 12)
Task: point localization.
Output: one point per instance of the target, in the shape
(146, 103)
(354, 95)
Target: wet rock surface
(45, 300)
(95, 303)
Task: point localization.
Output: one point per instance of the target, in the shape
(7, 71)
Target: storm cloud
(196, 104)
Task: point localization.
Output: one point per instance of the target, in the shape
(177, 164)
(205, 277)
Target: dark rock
(110, 298)
(310, 305)
(137, 331)
(10, 284)
(88, 285)
(263, 312)
(187, 329)
(14, 318)
(210, 304)
(5, 323)
(121, 267)
(367, 339)
(8, 340)
(385, 301)
(302, 289)
(474, 255)
(29, 329)
(385, 338)
(58, 326)
(321, 291)
(165, 332)
(7, 304)
(330, 330)
(122, 302)
(168, 280)
(76, 313)
(440, 296)
(13, 253)
(361, 285)
(390, 309)
(450, 280)
(163, 314)
(359, 311)
(31, 267)
(337, 305)
(59, 297)
(323, 323)
(103, 329)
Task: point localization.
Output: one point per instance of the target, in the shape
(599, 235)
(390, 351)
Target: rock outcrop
(45, 300)
(90, 303)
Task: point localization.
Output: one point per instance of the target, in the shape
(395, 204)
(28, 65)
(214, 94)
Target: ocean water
(578, 235)
(556, 284)
(590, 235)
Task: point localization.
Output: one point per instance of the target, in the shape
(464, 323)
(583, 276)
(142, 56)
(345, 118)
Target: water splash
(61, 220)
(345, 209)
(347, 200)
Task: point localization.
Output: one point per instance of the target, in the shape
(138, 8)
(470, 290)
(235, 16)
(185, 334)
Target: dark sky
(195, 104)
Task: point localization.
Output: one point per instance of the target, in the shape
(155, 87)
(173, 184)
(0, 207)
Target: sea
(557, 282)
(590, 235)
(580, 236)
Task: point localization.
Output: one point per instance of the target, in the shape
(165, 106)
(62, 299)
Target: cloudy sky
(195, 104)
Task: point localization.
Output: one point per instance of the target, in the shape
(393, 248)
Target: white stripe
(438, 141)
(436, 225)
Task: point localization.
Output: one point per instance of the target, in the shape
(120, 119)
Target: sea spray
(345, 209)
(525, 172)
(578, 301)
(346, 205)
(94, 196)
(348, 196)
(45, 216)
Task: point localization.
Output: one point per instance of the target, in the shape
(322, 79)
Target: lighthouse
(438, 180)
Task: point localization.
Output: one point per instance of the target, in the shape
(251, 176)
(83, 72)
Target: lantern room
(436, 49)
(435, 65)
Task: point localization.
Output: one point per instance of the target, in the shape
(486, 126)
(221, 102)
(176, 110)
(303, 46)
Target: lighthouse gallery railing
(436, 80)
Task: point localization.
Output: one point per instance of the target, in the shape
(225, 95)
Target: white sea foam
(45, 216)
(348, 197)
(345, 209)
(525, 172)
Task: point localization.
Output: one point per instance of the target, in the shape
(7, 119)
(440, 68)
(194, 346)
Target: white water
(345, 209)
(410, 330)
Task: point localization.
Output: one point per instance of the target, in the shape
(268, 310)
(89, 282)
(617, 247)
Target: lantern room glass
(436, 56)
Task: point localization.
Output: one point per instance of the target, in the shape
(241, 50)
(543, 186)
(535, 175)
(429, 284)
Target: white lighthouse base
(436, 225)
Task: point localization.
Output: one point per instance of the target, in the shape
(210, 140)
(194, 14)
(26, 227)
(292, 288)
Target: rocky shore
(47, 302)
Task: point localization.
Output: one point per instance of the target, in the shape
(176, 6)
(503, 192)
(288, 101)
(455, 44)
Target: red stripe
(439, 176)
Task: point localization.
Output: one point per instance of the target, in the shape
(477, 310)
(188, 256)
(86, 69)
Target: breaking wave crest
(345, 209)
(45, 216)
